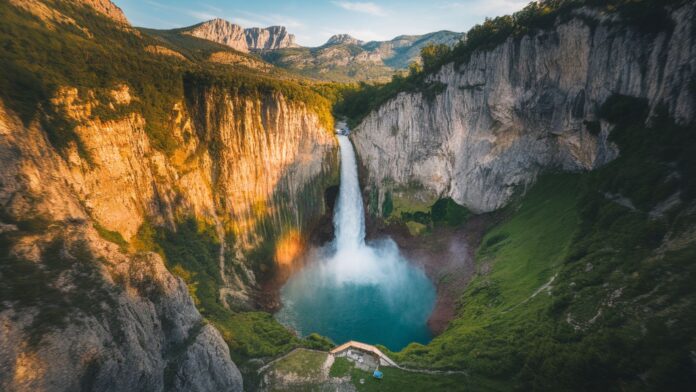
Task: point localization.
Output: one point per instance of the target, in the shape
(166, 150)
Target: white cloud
(487, 8)
(252, 19)
(366, 8)
(200, 15)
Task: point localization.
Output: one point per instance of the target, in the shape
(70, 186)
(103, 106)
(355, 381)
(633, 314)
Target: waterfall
(349, 219)
(353, 290)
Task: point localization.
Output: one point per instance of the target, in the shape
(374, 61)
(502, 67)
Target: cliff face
(252, 167)
(524, 107)
(274, 37)
(239, 38)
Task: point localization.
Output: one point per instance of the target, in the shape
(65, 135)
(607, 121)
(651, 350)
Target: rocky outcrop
(106, 8)
(221, 31)
(524, 107)
(339, 39)
(274, 37)
(241, 39)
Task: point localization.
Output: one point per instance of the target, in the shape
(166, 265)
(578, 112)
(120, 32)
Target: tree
(432, 55)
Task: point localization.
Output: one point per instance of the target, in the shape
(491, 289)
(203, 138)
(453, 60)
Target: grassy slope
(620, 312)
(303, 363)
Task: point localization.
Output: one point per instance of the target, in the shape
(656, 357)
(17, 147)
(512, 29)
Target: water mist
(357, 291)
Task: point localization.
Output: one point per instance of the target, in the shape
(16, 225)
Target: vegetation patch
(399, 380)
(341, 367)
(303, 363)
(111, 236)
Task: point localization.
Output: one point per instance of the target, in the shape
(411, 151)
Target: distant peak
(235, 36)
(343, 39)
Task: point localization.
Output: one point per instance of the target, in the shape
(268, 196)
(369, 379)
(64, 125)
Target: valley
(217, 207)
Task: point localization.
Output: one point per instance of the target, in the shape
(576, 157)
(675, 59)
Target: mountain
(342, 39)
(344, 58)
(241, 39)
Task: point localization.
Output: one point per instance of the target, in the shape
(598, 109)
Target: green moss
(112, 236)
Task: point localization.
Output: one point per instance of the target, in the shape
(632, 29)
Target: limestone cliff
(113, 316)
(239, 38)
(79, 312)
(528, 105)
(273, 37)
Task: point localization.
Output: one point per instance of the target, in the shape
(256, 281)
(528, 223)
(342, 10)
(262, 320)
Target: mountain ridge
(242, 39)
(341, 58)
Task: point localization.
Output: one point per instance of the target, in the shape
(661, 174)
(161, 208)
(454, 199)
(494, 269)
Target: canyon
(157, 201)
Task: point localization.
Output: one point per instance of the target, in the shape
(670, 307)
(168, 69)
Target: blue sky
(313, 22)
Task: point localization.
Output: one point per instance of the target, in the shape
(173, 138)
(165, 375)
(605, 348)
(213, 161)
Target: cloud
(252, 19)
(200, 15)
(486, 8)
(366, 8)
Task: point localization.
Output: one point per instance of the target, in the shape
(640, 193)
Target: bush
(448, 211)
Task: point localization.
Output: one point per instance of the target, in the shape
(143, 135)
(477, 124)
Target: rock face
(107, 8)
(97, 318)
(251, 167)
(274, 37)
(510, 113)
(239, 38)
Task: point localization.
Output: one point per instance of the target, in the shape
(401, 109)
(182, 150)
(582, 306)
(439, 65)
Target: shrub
(448, 211)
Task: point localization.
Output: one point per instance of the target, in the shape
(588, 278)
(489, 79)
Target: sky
(314, 21)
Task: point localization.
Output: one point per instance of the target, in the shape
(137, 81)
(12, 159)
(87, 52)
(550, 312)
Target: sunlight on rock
(288, 248)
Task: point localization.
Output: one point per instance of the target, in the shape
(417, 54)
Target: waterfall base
(371, 294)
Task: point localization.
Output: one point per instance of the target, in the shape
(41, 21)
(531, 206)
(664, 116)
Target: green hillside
(586, 289)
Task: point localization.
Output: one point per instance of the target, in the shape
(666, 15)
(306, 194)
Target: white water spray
(349, 220)
(356, 290)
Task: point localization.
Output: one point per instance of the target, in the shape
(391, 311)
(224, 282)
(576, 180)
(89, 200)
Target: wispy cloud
(486, 8)
(364, 7)
(252, 19)
(200, 15)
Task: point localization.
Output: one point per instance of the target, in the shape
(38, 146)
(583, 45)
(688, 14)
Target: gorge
(513, 210)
